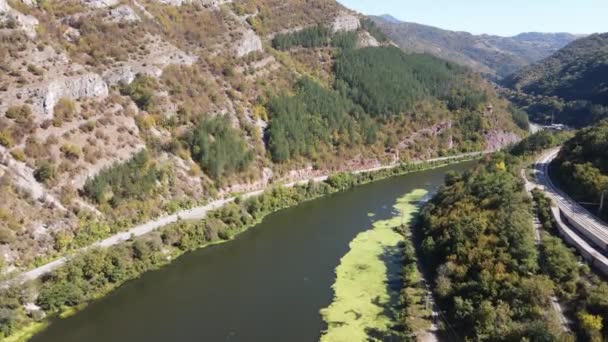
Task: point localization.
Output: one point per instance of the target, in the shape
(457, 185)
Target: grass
(362, 299)
(26, 332)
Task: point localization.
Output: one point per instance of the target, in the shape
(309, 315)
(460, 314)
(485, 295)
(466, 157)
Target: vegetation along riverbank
(93, 274)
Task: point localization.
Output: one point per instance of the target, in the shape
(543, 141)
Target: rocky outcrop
(161, 54)
(345, 22)
(100, 3)
(367, 40)
(122, 14)
(10, 17)
(75, 87)
(119, 75)
(71, 34)
(496, 140)
(206, 3)
(23, 177)
(250, 42)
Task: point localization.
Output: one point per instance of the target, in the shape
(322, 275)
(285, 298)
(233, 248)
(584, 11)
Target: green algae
(362, 299)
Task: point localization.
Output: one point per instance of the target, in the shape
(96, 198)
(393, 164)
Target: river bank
(281, 198)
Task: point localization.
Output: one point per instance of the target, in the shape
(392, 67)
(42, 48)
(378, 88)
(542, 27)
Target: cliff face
(88, 84)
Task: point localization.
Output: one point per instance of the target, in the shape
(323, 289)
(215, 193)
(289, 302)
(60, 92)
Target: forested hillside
(494, 56)
(581, 167)
(571, 86)
(117, 112)
(491, 281)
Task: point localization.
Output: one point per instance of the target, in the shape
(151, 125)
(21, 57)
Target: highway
(583, 221)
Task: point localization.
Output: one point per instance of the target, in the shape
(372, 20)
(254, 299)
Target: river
(268, 284)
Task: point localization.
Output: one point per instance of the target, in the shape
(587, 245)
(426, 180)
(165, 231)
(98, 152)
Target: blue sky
(502, 17)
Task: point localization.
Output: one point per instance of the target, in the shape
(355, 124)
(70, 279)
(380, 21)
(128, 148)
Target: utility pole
(602, 202)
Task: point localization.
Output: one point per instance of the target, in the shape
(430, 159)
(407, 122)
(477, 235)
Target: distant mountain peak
(389, 18)
(489, 54)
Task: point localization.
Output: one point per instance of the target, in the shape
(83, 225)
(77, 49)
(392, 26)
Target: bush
(64, 110)
(141, 91)
(55, 296)
(18, 154)
(5, 139)
(71, 152)
(18, 112)
(45, 172)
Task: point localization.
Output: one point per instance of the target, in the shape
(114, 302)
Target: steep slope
(576, 77)
(115, 112)
(492, 55)
(577, 72)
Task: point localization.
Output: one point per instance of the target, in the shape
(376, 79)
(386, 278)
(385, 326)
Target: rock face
(345, 22)
(495, 140)
(122, 14)
(24, 22)
(161, 54)
(119, 75)
(250, 42)
(207, 3)
(76, 87)
(100, 3)
(367, 40)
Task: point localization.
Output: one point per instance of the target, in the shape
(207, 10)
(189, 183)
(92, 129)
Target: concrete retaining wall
(595, 258)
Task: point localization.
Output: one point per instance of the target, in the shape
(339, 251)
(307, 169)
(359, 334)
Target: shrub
(141, 91)
(71, 152)
(64, 110)
(45, 172)
(18, 154)
(18, 112)
(5, 139)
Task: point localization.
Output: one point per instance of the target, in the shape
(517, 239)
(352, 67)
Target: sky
(500, 17)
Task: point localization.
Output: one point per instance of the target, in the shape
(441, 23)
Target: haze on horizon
(504, 18)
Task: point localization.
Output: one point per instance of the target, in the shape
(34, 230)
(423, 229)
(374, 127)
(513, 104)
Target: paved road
(192, 214)
(587, 223)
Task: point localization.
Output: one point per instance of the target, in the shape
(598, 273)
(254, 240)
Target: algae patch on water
(362, 298)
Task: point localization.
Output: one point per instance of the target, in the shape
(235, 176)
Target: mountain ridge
(493, 55)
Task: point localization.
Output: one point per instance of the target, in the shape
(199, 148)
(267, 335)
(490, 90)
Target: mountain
(571, 85)
(117, 112)
(492, 55)
(579, 71)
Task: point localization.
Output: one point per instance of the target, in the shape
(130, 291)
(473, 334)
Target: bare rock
(27, 23)
(122, 14)
(119, 75)
(367, 40)
(71, 34)
(100, 3)
(250, 42)
(345, 22)
(23, 177)
(75, 87)
(206, 3)
(496, 140)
